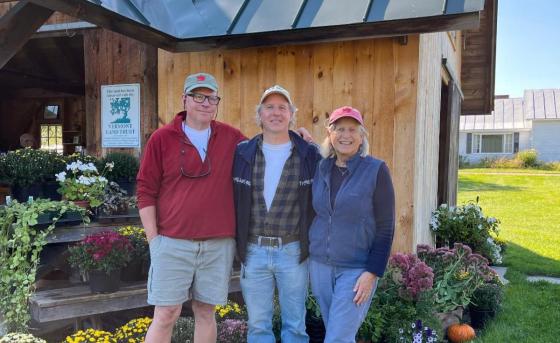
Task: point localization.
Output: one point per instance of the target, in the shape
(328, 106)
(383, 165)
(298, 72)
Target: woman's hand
(364, 287)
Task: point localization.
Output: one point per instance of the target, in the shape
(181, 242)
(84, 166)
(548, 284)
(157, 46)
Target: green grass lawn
(528, 207)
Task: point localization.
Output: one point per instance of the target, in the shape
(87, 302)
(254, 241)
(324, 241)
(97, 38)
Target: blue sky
(527, 46)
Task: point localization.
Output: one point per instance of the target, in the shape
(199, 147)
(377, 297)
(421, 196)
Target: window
(51, 138)
(491, 143)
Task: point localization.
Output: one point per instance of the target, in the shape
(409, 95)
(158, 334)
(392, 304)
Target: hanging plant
(20, 246)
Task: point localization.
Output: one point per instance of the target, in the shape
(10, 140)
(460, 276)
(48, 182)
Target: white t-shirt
(275, 156)
(199, 139)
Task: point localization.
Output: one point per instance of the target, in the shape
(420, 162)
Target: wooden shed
(402, 63)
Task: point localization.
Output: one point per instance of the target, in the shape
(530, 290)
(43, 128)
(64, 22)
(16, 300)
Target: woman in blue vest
(351, 236)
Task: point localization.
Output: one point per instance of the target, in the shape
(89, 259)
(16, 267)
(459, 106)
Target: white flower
(110, 165)
(401, 330)
(60, 177)
(413, 325)
(491, 220)
(84, 180)
(101, 179)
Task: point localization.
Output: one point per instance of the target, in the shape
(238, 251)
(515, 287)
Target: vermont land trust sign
(120, 116)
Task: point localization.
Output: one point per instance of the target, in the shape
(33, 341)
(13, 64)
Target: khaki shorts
(184, 269)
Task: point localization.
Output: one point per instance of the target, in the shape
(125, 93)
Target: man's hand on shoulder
(305, 134)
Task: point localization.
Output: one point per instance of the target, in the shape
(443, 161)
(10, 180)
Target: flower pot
(480, 317)
(49, 191)
(134, 271)
(21, 194)
(81, 203)
(101, 282)
(449, 318)
(315, 328)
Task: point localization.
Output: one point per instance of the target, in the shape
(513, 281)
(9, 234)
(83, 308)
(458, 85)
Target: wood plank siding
(111, 58)
(378, 76)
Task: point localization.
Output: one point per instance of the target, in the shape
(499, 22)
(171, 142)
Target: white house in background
(542, 107)
(500, 134)
(531, 122)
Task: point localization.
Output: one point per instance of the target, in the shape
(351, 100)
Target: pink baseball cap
(346, 111)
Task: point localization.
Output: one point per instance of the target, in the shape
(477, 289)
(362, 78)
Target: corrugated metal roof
(189, 19)
(542, 104)
(508, 114)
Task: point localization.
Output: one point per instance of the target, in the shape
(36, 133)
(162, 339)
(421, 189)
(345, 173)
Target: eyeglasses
(195, 174)
(199, 98)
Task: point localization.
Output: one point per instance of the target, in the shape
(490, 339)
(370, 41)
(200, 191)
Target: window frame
(508, 138)
(58, 139)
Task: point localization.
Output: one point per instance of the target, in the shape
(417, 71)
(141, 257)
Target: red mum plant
(104, 251)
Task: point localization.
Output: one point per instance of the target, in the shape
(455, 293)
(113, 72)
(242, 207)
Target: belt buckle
(274, 242)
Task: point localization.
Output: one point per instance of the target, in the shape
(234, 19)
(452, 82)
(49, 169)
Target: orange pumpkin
(459, 333)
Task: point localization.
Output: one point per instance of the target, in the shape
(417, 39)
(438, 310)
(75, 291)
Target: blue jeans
(333, 287)
(265, 268)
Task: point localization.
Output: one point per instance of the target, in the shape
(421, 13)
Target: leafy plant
(83, 183)
(104, 251)
(529, 158)
(312, 306)
(457, 273)
(467, 224)
(91, 335)
(115, 200)
(126, 166)
(18, 337)
(183, 331)
(231, 310)
(134, 331)
(403, 295)
(137, 237)
(20, 247)
(488, 297)
(24, 167)
(232, 331)
(418, 333)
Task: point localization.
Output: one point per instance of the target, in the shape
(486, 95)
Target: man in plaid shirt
(272, 174)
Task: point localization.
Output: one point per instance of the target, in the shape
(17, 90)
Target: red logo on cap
(347, 109)
(201, 78)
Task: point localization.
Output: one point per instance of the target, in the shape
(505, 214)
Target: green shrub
(125, 168)
(528, 158)
(555, 166)
(503, 162)
(488, 297)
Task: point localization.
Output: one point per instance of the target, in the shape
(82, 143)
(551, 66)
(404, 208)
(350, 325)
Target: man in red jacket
(185, 196)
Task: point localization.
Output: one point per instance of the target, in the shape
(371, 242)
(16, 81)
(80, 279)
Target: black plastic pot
(134, 271)
(22, 194)
(50, 191)
(128, 186)
(101, 282)
(315, 328)
(480, 317)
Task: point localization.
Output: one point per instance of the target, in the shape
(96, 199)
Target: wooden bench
(78, 301)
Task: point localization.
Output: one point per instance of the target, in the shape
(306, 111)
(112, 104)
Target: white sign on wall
(120, 116)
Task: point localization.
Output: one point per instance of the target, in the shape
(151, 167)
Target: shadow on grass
(468, 185)
(530, 263)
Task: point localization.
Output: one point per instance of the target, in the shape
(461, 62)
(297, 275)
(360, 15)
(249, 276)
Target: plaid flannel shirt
(283, 217)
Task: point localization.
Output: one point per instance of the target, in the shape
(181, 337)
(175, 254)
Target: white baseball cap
(276, 89)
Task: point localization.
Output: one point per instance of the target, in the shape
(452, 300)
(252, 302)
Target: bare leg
(162, 326)
(204, 322)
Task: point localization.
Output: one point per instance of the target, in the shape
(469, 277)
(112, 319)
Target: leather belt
(272, 241)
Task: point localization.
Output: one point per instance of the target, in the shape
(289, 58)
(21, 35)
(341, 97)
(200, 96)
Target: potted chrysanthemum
(102, 256)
